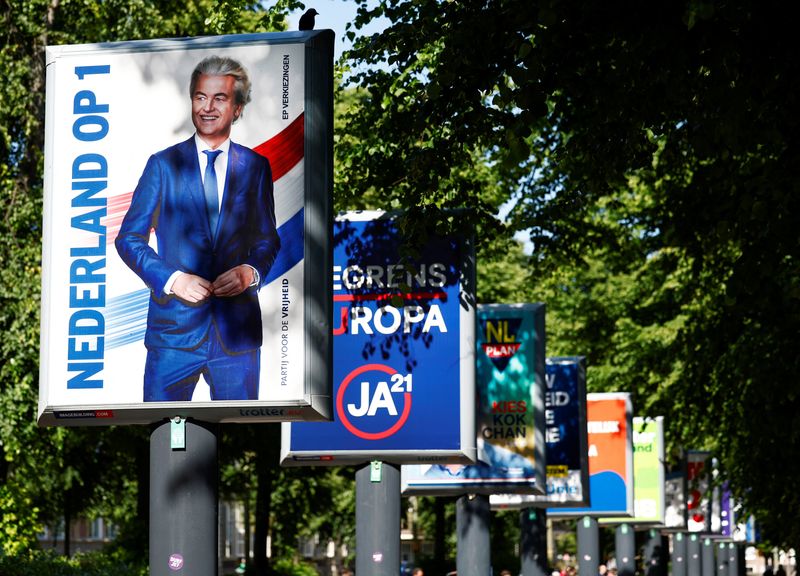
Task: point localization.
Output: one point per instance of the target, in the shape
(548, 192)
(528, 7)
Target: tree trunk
(247, 528)
(264, 479)
(3, 466)
(141, 537)
(67, 523)
(438, 540)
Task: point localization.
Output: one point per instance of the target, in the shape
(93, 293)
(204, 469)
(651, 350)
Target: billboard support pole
(733, 560)
(679, 554)
(738, 567)
(625, 545)
(183, 498)
(533, 541)
(473, 554)
(722, 559)
(588, 545)
(378, 519)
(655, 554)
(694, 563)
(708, 557)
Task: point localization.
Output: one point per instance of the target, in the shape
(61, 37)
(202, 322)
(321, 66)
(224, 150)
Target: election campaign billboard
(187, 212)
(566, 446)
(727, 506)
(733, 523)
(689, 497)
(403, 351)
(648, 473)
(752, 531)
(610, 438)
(675, 500)
(698, 491)
(510, 374)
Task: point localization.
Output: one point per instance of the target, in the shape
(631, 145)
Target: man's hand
(234, 281)
(191, 288)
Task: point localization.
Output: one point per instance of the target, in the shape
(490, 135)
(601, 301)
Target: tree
(289, 502)
(650, 152)
(437, 521)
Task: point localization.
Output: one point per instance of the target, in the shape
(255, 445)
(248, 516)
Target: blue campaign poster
(565, 400)
(403, 368)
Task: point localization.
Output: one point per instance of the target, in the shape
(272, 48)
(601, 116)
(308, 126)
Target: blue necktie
(210, 186)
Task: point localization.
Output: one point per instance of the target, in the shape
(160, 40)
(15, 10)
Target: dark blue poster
(402, 330)
(565, 439)
(564, 405)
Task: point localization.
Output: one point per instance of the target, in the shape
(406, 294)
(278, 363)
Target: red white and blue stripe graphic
(126, 314)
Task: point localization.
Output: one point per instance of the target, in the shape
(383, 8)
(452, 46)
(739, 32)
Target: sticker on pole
(175, 562)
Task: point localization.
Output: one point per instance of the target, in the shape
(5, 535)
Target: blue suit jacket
(169, 198)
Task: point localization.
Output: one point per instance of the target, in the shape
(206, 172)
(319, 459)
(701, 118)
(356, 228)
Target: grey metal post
(625, 546)
(709, 567)
(733, 559)
(655, 554)
(679, 554)
(533, 542)
(183, 501)
(722, 559)
(378, 520)
(588, 546)
(473, 554)
(741, 566)
(694, 562)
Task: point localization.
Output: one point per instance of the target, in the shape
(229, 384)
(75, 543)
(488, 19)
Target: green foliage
(305, 501)
(234, 16)
(503, 274)
(418, 135)
(649, 151)
(427, 508)
(651, 154)
(566, 539)
(50, 564)
(505, 539)
(18, 525)
(299, 494)
(290, 567)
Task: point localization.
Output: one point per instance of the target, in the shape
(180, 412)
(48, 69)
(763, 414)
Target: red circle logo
(343, 415)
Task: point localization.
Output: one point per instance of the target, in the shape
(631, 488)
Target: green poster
(648, 473)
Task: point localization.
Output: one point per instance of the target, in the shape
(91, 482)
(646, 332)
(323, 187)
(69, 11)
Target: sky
(333, 15)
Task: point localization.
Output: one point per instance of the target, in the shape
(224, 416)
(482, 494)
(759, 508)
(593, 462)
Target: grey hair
(223, 66)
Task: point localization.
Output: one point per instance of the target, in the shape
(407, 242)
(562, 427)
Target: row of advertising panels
(364, 347)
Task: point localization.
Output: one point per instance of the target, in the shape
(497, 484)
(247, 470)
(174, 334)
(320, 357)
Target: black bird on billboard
(307, 19)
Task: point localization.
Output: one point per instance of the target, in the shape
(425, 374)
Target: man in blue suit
(211, 205)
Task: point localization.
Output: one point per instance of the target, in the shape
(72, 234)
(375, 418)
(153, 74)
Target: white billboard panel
(162, 294)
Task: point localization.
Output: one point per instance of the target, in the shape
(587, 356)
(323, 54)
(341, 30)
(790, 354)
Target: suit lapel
(232, 180)
(193, 183)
